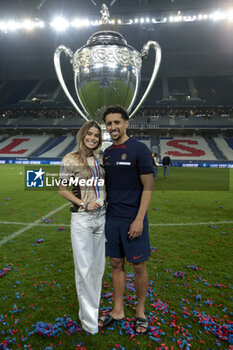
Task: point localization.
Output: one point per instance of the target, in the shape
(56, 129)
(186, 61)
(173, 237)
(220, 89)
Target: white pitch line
(194, 223)
(37, 223)
(30, 225)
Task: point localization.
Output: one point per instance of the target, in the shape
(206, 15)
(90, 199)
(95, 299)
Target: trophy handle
(69, 54)
(144, 54)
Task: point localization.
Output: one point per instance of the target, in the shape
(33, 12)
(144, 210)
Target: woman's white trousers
(88, 243)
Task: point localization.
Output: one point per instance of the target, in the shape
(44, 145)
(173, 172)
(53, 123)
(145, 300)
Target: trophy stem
(105, 137)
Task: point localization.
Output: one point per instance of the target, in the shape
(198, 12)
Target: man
(166, 164)
(129, 185)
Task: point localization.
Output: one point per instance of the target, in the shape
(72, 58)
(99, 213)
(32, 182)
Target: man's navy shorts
(119, 245)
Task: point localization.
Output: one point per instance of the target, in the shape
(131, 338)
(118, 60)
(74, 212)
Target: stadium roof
(188, 49)
(46, 8)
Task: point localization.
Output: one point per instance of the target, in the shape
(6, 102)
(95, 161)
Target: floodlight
(218, 16)
(188, 18)
(178, 18)
(78, 22)
(59, 23)
(3, 25)
(28, 24)
(12, 25)
(86, 22)
(230, 15)
(40, 24)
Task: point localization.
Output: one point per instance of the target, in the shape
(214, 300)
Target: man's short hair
(116, 109)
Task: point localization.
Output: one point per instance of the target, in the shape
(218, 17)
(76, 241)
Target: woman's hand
(93, 205)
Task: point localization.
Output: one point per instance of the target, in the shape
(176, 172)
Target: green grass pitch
(190, 267)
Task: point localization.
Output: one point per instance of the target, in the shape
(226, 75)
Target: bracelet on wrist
(86, 205)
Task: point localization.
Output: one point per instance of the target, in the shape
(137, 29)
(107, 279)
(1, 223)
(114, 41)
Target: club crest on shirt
(123, 156)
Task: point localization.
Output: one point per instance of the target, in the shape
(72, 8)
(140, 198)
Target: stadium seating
(190, 148)
(21, 146)
(47, 146)
(186, 148)
(169, 91)
(214, 90)
(48, 125)
(58, 147)
(225, 145)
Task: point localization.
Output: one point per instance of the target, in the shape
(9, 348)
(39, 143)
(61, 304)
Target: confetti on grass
(164, 320)
(6, 344)
(53, 330)
(210, 324)
(179, 274)
(193, 267)
(41, 240)
(4, 271)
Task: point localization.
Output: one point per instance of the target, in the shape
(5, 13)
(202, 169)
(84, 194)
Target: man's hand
(135, 229)
(93, 205)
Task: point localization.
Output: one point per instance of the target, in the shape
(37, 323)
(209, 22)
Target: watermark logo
(35, 178)
(51, 178)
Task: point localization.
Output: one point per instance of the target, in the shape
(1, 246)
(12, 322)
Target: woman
(84, 168)
(155, 165)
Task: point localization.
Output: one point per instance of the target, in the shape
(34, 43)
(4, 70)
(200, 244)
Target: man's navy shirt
(123, 165)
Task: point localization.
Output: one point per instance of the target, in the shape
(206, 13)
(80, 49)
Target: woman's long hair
(82, 149)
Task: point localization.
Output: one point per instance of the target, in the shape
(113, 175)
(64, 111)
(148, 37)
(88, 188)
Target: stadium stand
(58, 147)
(46, 146)
(48, 124)
(22, 146)
(216, 151)
(225, 145)
(167, 91)
(188, 148)
(215, 90)
(70, 148)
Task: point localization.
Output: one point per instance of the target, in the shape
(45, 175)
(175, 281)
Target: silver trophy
(107, 71)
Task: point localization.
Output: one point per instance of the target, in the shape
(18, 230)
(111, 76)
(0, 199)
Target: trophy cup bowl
(107, 71)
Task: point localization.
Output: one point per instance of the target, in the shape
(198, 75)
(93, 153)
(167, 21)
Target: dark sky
(47, 8)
